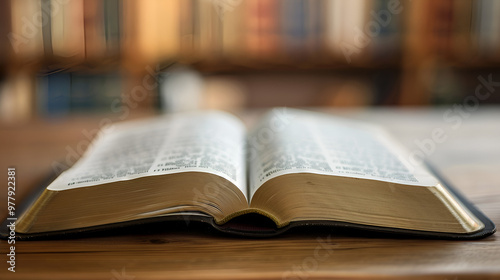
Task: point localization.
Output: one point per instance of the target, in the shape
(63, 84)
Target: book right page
(294, 141)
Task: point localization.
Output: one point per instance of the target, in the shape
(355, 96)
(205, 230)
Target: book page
(210, 142)
(317, 143)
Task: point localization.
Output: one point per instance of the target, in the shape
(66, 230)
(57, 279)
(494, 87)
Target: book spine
(387, 43)
(294, 20)
(262, 28)
(54, 94)
(112, 22)
(81, 94)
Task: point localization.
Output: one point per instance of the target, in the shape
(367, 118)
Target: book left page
(211, 142)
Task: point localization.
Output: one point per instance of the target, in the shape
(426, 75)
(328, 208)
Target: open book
(293, 168)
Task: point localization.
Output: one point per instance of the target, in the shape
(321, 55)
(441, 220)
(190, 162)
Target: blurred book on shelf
(393, 52)
(61, 93)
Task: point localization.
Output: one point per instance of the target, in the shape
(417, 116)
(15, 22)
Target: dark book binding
(250, 225)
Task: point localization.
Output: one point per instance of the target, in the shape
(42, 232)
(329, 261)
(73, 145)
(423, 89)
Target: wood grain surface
(469, 158)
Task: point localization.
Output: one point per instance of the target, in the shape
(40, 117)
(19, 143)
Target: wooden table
(469, 158)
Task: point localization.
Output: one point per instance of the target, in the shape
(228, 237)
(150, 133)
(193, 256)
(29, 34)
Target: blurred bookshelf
(60, 57)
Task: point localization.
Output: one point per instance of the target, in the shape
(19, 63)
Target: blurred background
(59, 58)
